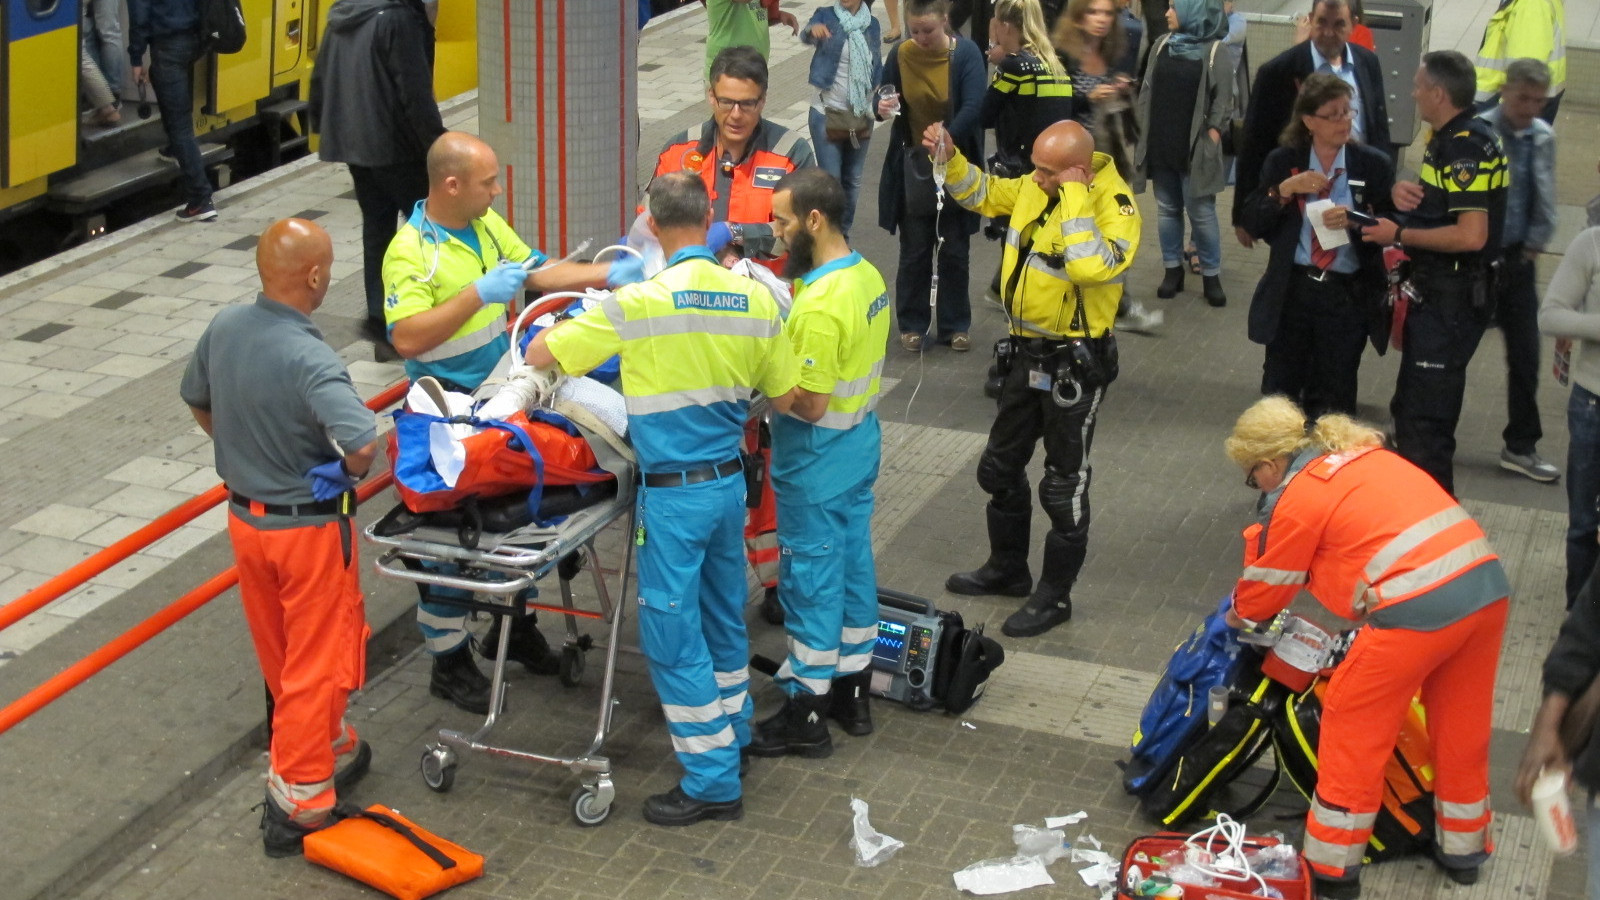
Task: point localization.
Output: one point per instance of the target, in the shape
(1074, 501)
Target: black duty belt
(1324, 276)
(342, 505)
(693, 476)
(1439, 265)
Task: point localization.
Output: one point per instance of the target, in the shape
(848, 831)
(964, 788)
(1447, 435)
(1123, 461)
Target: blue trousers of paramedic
(444, 625)
(828, 587)
(691, 626)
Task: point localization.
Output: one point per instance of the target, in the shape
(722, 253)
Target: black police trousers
(1441, 334)
(1025, 416)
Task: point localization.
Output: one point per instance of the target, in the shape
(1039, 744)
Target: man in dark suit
(1278, 83)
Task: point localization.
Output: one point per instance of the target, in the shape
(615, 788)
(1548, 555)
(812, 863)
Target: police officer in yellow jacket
(1070, 237)
(1524, 29)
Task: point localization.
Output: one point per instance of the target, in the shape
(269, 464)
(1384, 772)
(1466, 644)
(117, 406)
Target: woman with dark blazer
(940, 77)
(1315, 307)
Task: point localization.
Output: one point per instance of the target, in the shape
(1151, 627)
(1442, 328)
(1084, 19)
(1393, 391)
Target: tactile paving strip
(1066, 697)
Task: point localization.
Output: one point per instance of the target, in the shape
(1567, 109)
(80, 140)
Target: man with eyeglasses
(1278, 84)
(741, 157)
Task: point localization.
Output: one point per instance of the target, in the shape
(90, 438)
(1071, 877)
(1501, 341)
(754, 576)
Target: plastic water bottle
(1216, 703)
(1552, 809)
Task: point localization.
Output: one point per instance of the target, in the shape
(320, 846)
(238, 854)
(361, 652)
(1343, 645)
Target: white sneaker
(1529, 464)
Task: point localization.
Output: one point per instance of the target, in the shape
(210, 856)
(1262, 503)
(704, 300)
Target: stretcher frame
(521, 558)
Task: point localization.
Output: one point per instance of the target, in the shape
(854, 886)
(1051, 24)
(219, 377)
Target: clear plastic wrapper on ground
(871, 846)
(1036, 848)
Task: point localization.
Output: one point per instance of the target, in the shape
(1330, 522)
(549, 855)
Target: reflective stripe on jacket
(1061, 252)
(1533, 29)
(1372, 537)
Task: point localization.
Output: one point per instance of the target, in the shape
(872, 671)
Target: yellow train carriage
(50, 157)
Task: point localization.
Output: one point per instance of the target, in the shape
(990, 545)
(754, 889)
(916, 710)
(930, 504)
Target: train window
(40, 9)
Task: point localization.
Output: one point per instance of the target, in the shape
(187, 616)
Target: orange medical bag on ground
(381, 848)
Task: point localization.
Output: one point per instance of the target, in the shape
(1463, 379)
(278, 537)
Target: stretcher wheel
(438, 769)
(586, 809)
(571, 666)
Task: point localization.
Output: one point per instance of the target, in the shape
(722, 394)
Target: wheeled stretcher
(496, 568)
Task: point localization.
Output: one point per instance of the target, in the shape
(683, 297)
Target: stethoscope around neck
(431, 231)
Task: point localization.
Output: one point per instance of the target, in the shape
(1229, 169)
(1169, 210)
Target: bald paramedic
(824, 464)
(451, 273)
(696, 341)
(292, 438)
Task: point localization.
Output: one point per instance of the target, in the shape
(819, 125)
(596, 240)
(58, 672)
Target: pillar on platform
(557, 100)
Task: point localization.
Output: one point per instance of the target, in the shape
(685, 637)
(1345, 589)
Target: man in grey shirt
(292, 438)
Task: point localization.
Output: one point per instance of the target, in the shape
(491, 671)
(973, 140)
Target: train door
(39, 59)
(240, 79)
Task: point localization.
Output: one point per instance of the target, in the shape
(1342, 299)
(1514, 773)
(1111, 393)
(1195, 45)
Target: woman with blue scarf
(844, 70)
(1184, 104)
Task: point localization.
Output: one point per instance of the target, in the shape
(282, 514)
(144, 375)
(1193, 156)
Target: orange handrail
(120, 646)
(168, 522)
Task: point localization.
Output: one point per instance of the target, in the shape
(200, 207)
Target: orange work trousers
(761, 521)
(301, 592)
(1367, 699)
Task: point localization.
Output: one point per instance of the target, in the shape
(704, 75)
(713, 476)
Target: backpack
(222, 26)
(1405, 819)
(1176, 710)
(1205, 766)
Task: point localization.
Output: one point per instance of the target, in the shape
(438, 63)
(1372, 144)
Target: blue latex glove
(625, 269)
(500, 284)
(329, 480)
(719, 236)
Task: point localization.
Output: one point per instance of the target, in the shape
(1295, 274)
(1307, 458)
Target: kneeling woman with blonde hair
(1376, 540)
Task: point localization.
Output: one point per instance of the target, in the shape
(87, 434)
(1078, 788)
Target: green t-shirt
(735, 24)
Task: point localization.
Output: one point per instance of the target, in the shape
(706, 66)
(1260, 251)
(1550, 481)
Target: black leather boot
(1329, 889)
(1213, 290)
(849, 705)
(798, 728)
(281, 837)
(527, 646)
(350, 774)
(1171, 284)
(771, 609)
(677, 808)
(456, 678)
(1051, 601)
(1005, 574)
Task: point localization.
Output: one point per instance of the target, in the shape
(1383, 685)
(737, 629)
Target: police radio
(907, 648)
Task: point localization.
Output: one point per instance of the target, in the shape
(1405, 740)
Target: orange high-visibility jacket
(1372, 537)
(742, 195)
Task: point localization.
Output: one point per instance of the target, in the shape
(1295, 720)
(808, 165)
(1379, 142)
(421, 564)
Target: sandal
(911, 341)
(960, 342)
(891, 37)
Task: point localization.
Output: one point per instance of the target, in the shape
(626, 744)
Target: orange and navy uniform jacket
(1373, 538)
(741, 190)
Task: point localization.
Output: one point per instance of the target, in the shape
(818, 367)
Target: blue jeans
(842, 161)
(172, 59)
(1583, 487)
(1171, 188)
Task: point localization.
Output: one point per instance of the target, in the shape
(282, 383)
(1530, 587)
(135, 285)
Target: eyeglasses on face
(1250, 477)
(1344, 116)
(726, 104)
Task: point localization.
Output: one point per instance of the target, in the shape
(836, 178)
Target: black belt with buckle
(693, 476)
(1321, 276)
(342, 505)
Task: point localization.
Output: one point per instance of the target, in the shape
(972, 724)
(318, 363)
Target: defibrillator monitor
(903, 654)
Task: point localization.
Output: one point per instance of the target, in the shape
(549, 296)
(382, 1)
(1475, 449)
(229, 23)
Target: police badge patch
(1462, 171)
(1124, 204)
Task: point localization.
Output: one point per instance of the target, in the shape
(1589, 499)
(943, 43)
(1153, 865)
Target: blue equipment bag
(1176, 710)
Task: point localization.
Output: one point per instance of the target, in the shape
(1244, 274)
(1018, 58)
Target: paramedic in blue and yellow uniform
(824, 464)
(696, 341)
(449, 275)
(1450, 227)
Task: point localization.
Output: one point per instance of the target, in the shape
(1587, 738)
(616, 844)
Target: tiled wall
(567, 132)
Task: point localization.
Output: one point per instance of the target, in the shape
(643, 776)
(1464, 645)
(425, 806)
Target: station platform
(140, 783)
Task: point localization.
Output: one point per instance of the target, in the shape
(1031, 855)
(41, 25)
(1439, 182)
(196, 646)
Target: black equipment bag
(966, 657)
(1405, 819)
(1194, 787)
(222, 26)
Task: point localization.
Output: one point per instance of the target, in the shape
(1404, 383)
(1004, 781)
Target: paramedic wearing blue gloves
(696, 341)
(272, 395)
(824, 464)
(450, 273)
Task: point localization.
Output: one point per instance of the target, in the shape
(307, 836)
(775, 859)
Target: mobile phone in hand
(1359, 219)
